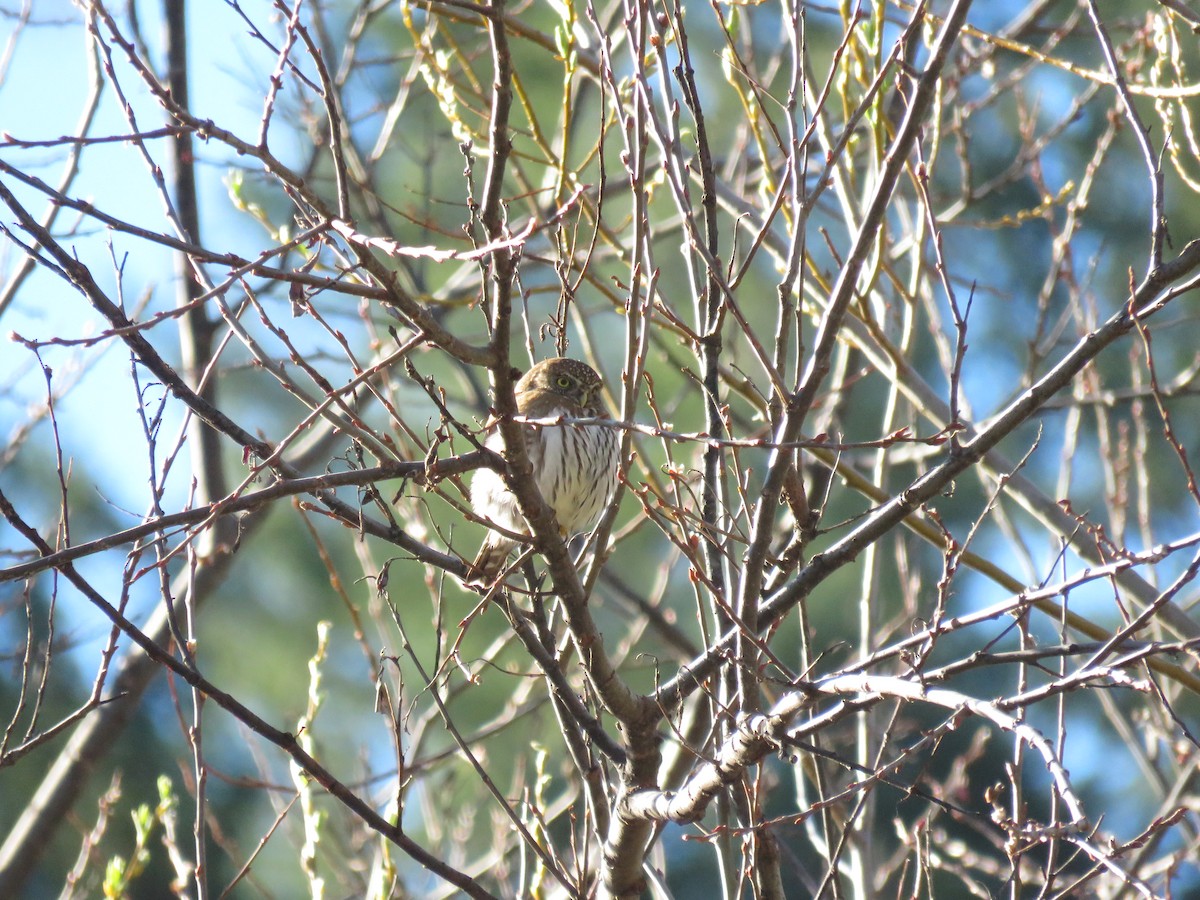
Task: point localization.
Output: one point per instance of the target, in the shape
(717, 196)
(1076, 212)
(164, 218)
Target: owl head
(568, 380)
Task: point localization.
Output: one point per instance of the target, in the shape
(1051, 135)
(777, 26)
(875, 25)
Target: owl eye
(563, 381)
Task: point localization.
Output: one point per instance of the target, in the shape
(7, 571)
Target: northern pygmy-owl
(575, 465)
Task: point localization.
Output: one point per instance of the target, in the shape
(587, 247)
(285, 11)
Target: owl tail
(490, 560)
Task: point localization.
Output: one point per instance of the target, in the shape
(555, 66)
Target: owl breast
(577, 471)
(575, 467)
